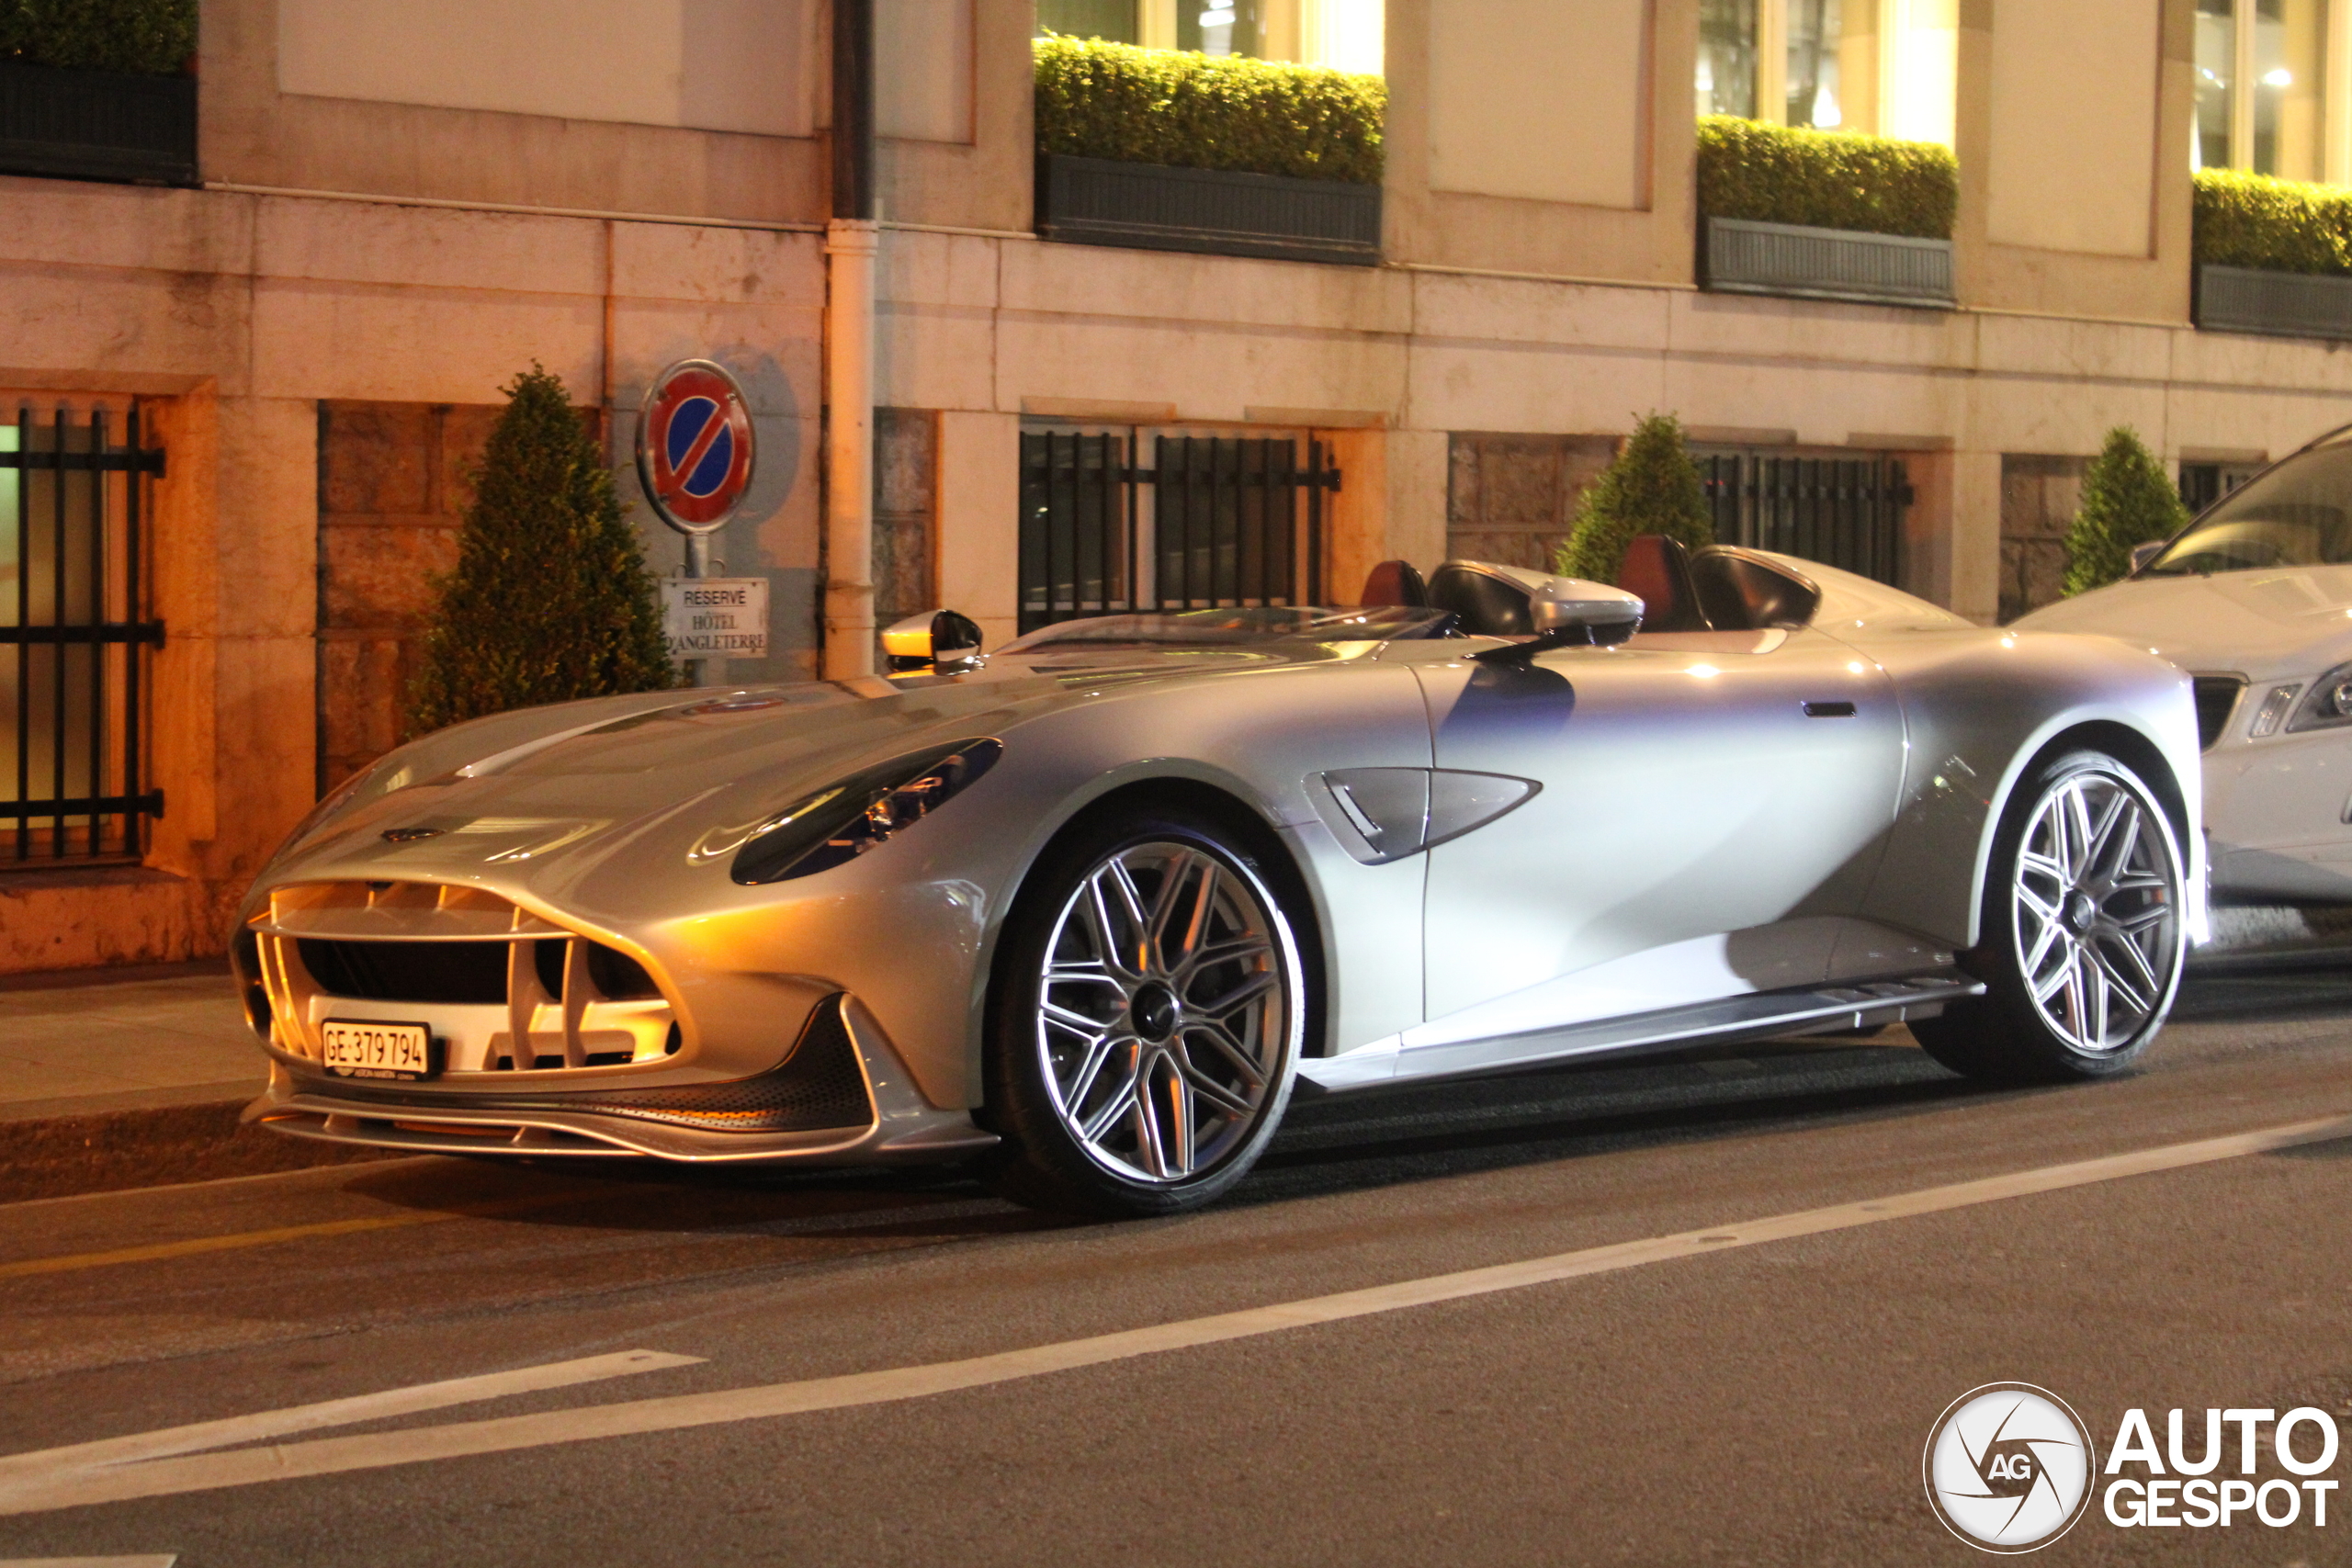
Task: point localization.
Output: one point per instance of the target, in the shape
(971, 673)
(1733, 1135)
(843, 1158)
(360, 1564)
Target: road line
(378, 1406)
(68, 1262)
(164, 1560)
(46, 1483)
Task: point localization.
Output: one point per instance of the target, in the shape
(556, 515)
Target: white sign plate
(715, 617)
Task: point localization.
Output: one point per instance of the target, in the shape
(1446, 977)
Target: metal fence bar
(78, 636)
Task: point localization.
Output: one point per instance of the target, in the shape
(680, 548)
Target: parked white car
(2253, 599)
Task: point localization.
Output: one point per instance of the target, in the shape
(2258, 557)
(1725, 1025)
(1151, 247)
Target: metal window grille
(1841, 511)
(73, 629)
(1215, 521)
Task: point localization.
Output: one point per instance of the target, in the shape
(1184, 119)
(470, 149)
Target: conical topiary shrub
(1652, 488)
(2127, 500)
(551, 599)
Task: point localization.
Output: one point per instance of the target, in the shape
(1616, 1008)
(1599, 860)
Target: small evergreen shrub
(2242, 219)
(1651, 487)
(2127, 500)
(141, 38)
(1826, 179)
(1196, 112)
(551, 599)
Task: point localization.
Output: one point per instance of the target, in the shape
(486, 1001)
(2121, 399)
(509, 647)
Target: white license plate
(372, 1050)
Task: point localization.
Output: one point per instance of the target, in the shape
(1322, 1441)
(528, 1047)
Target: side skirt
(1757, 1016)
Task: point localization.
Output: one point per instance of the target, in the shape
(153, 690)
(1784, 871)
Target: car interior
(1720, 588)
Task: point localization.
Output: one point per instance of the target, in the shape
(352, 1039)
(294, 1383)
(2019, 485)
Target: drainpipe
(850, 243)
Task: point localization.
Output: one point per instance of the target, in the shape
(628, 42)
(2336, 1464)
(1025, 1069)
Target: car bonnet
(2289, 621)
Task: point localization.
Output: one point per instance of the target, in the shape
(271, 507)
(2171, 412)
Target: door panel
(1689, 792)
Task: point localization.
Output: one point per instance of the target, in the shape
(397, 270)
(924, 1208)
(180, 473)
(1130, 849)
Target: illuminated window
(1343, 34)
(1874, 65)
(2261, 87)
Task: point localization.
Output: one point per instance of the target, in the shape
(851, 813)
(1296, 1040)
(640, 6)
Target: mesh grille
(818, 1086)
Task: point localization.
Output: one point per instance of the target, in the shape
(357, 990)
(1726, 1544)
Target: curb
(112, 1151)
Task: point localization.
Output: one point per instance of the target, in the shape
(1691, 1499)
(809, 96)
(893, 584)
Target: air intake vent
(408, 971)
(2217, 698)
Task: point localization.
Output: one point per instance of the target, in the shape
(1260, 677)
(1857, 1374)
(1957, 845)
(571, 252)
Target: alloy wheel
(2097, 912)
(1167, 1012)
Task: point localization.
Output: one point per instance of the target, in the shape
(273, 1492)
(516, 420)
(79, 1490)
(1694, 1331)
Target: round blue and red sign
(694, 445)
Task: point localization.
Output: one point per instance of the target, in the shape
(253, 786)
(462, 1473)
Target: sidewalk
(117, 1078)
(80, 1043)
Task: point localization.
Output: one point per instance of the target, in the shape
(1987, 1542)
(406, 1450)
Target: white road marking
(160, 1561)
(65, 1478)
(337, 1412)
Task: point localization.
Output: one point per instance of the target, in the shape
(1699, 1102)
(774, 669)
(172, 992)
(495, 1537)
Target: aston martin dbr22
(1091, 909)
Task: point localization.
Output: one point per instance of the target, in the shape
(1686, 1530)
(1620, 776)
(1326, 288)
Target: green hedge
(2245, 220)
(144, 38)
(1196, 112)
(1827, 179)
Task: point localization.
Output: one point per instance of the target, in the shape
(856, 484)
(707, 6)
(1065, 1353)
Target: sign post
(694, 457)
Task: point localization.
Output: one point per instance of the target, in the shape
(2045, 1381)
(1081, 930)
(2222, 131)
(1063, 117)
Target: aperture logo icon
(2008, 1467)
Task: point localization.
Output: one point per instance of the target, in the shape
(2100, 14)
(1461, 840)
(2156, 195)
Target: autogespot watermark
(2010, 1468)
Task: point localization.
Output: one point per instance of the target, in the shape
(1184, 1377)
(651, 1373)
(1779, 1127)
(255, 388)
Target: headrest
(1394, 582)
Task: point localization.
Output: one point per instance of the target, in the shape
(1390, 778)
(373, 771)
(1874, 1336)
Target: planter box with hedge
(99, 89)
(2274, 256)
(1824, 215)
(1231, 157)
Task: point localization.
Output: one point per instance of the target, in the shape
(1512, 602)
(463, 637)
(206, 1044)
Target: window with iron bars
(1214, 522)
(75, 630)
(1842, 512)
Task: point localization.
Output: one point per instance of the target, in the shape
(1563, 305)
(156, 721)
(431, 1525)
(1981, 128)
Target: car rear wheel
(1146, 1019)
(2083, 931)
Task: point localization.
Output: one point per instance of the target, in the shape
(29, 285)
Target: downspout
(850, 242)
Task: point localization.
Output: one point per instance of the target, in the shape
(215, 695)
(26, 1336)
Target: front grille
(2217, 698)
(501, 987)
(410, 971)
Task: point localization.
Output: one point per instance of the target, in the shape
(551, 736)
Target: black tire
(1192, 1082)
(2082, 937)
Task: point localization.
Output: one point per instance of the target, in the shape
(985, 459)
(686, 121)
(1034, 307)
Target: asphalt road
(1751, 1393)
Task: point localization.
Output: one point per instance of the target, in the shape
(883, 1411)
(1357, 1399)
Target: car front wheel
(1147, 1022)
(2083, 936)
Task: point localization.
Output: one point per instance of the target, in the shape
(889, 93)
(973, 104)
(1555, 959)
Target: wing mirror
(1567, 611)
(935, 640)
(2142, 554)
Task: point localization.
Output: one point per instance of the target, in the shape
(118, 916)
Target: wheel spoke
(1232, 949)
(1174, 1103)
(1248, 991)
(2115, 837)
(1077, 1023)
(1081, 1082)
(1163, 904)
(2052, 932)
(1231, 1050)
(1109, 950)
(1121, 1103)
(1216, 1093)
(2139, 986)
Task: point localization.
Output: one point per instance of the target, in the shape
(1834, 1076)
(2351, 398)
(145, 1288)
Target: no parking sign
(694, 445)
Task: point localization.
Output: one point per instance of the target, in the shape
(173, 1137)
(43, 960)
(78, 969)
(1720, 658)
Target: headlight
(840, 823)
(2328, 703)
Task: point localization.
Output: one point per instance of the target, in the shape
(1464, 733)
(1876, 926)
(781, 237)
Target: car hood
(2259, 623)
(570, 783)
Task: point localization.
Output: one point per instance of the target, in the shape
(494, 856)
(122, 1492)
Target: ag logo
(2008, 1467)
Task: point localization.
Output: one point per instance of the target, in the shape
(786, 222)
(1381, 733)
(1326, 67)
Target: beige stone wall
(232, 318)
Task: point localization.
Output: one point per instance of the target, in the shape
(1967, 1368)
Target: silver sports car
(1091, 909)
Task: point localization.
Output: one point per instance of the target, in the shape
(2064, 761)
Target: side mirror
(1565, 611)
(932, 641)
(2142, 554)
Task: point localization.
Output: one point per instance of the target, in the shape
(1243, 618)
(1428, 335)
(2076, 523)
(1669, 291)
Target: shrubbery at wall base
(140, 38)
(1195, 111)
(1826, 179)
